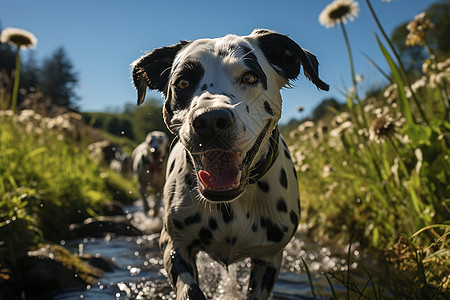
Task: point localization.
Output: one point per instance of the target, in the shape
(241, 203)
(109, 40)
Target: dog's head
(222, 99)
(157, 146)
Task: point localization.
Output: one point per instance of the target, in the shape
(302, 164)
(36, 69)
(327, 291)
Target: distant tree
(58, 80)
(7, 58)
(30, 73)
(323, 108)
(412, 57)
(439, 15)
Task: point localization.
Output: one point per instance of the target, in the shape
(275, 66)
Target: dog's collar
(265, 164)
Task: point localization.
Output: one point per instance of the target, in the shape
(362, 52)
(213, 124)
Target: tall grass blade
(379, 69)
(333, 292)
(311, 285)
(401, 90)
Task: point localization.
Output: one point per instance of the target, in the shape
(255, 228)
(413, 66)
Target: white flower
(18, 37)
(338, 12)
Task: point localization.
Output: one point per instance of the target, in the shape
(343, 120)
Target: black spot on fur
(211, 84)
(172, 191)
(281, 205)
(172, 165)
(212, 224)
(273, 231)
(179, 265)
(191, 70)
(189, 179)
(248, 215)
(268, 108)
(287, 154)
(248, 109)
(231, 241)
(194, 244)
(178, 224)
(204, 87)
(205, 236)
(195, 293)
(283, 178)
(188, 221)
(268, 279)
(180, 170)
(295, 172)
(227, 213)
(251, 61)
(254, 227)
(294, 217)
(263, 186)
(264, 222)
(222, 53)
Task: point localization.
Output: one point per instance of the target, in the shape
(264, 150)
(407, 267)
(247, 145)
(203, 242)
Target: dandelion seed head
(381, 128)
(18, 37)
(338, 12)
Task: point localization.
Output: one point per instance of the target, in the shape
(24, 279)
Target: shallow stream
(140, 274)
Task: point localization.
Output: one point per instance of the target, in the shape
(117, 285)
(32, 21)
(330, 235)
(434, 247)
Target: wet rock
(100, 226)
(52, 268)
(113, 208)
(101, 263)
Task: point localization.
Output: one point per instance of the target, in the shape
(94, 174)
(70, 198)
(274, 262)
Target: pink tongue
(219, 181)
(220, 169)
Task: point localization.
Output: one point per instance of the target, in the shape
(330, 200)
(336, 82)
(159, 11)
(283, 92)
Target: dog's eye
(183, 83)
(249, 78)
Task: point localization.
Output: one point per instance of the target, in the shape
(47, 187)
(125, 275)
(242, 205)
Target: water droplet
(122, 132)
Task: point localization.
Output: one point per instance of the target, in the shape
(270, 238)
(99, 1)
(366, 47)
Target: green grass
(380, 174)
(47, 181)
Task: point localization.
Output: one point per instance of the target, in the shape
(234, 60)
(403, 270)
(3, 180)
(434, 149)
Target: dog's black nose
(212, 123)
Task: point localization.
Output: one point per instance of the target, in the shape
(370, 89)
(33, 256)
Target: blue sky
(103, 37)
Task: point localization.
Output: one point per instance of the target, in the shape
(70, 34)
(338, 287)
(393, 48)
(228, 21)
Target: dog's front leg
(263, 275)
(182, 271)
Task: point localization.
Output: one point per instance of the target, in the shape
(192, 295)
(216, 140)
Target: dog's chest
(258, 224)
(240, 233)
(229, 232)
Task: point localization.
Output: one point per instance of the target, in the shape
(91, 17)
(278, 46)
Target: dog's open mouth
(219, 174)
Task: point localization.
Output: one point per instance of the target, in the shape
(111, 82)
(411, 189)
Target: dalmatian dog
(149, 164)
(231, 188)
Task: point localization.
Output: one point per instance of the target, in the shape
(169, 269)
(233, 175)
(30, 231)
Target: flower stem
(350, 56)
(16, 82)
(352, 72)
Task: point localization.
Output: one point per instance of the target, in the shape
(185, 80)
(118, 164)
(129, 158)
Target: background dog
(231, 187)
(149, 164)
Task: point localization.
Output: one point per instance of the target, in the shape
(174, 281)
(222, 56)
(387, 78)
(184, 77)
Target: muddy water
(140, 273)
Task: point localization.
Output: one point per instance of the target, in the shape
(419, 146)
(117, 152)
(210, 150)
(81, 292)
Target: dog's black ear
(152, 70)
(286, 56)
